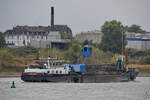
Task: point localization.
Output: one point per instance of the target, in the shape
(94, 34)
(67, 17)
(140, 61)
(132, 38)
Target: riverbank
(10, 74)
(144, 75)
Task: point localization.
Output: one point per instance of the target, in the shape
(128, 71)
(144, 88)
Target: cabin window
(85, 49)
(60, 72)
(56, 71)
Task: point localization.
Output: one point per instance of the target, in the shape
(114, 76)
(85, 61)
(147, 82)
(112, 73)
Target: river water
(137, 90)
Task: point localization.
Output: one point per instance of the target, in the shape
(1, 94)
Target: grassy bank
(143, 69)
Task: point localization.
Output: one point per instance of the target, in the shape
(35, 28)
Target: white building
(94, 36)
(31, 35)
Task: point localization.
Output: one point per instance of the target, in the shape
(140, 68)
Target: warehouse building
(138, 41)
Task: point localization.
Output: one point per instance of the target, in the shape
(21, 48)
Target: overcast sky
(79, 15)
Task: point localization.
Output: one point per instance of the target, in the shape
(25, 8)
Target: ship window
(60, 72)
(56, 71)
(50, 63)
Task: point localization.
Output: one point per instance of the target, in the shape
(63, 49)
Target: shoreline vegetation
(14, 60)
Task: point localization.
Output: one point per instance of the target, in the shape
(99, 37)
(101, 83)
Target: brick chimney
(52, 18)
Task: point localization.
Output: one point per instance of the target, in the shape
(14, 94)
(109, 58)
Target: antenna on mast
(122, 41)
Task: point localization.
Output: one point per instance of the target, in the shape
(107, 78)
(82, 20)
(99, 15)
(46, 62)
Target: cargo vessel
(54, 70)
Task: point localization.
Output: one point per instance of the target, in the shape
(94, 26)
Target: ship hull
(76, 78)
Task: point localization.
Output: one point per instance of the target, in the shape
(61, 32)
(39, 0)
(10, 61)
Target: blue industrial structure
(138, 43)
(10, 44)
(137, 39)
(76, 67)
(86, 50)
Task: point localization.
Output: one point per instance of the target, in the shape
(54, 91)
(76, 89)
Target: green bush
(145, 60)
(6, 59)
(73, 53)
(53, 52)
(138, 53)
(23, 51)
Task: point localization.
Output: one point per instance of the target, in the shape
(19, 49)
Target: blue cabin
(86, 50)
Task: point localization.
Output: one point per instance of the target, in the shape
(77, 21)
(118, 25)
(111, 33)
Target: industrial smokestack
(52, 18)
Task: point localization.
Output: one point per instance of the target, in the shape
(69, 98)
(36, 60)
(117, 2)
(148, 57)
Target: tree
(86, 42)
(2, 41)
(66, 35)
(73, 53)
(145, 60)
(112, 38)
(135, 28)
(6, 59)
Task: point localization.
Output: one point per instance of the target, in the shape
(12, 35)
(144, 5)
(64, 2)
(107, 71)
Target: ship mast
(124, 50)
(122, 41)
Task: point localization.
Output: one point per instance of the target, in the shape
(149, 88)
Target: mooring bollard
(13, 85)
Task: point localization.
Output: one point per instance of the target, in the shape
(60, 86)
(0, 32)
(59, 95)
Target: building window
(24, 42)
(37, 36)
(27, 36)
(32, 36)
